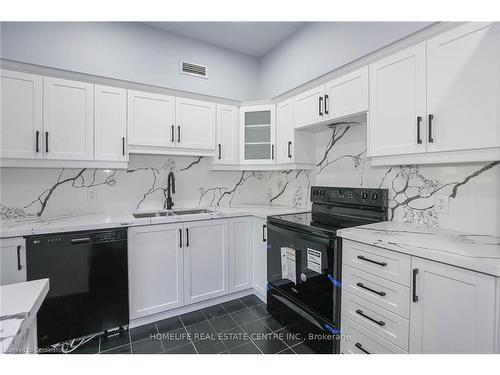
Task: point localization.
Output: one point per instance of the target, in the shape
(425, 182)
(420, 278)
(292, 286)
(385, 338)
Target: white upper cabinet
(292, 146)
(463, 88)
(151, 119)
(21, 115)
(452, 310)
(68, 119)
(346, 95)
(195, 124)
(397, 103)
(110, 123)
(309, 107)
(257, 134)
(205, 260)
(227, 135)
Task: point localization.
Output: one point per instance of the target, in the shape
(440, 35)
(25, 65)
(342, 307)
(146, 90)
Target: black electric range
(304, 260)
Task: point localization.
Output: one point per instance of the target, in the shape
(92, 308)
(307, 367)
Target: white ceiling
(251, 38)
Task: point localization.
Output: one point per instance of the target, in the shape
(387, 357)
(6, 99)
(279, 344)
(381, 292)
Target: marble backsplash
(472, 190)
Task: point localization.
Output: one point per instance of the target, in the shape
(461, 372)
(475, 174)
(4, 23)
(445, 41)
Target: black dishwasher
(88, 275)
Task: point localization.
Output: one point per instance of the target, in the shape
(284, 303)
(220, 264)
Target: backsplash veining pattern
(472, 189)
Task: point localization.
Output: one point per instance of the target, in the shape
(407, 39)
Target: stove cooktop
(304, 221)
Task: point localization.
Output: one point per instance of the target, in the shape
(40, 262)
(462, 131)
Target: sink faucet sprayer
(170, 190)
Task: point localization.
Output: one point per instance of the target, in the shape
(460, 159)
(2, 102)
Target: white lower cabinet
(205, 260)
(12, 260)
(446, 309)
(156, 272)
(454, 310)
(240, 254)
(259, 234)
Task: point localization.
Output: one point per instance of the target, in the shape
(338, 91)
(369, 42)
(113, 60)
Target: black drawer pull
(123, 146)
(272, 152)
(37, 137)
(379, 322)
(46, 141)
(383, 264)
(360, 347)
(289, 149)
(19, 266)
(320, 105)
(178, 134)
(327, 102)
(180, 237)
(419, 121)
(415, 296)
(187, 237)
(172, 134)
(264, 239)
(361, 285)
(220, 151)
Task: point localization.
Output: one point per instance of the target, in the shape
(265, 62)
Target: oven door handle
(318, 237)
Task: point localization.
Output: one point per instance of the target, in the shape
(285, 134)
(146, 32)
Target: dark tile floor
(240, 326)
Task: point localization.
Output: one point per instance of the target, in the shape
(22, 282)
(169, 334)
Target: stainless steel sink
(192, 212)
(141, 215)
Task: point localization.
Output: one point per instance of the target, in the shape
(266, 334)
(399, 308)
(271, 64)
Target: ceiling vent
(193, 69)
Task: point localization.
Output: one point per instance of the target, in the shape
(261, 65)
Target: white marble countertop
(475, 252)
(67, 223)
(19, 304)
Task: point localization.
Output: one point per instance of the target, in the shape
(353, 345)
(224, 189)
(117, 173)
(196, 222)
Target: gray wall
(320, 47)
(132, 52)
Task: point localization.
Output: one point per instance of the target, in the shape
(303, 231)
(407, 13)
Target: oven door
(305, 266)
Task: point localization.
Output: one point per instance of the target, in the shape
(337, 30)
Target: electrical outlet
(442, 204)
(92, 194)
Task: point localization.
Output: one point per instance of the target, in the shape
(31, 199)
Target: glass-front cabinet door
(257, 134)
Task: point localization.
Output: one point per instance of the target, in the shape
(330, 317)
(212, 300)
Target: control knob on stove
(321, 192)
(364, 195)
(374, 196)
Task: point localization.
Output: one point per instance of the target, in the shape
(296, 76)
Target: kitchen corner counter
(19, 304)
(479, 253)
(69, 223)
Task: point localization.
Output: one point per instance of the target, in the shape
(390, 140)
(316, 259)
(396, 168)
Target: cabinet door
(205, 260)
(257, 134)
(454, 312)
(195, 122)
(260, 256)
(151, 119)
(155, 266)
(463, 88)
(12, 261)
(284, 132)
(240, 254)
(110, 123)
(227, 135)
(21, 115)
(68, 119)
(308, 107)
(347, 95)
(398, 104)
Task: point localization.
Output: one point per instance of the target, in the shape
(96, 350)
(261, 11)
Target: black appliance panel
(88, 275)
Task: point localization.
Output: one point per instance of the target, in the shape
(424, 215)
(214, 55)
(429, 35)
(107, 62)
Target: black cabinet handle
(414, 296)
(419, 121)
(220, 152)
(19, 266)
(187, 237)
(178, 134)
(37, 144)
(272, 152)
(327, 104)
(360, 347)
(383, 264)
(290, 149)
(320, 105)
(46, 141)
(76, 241)
(264, 239)
(172, 134)
(431, 117)
(361, 285)
(180, 237)
(379, 322)
(123, 146)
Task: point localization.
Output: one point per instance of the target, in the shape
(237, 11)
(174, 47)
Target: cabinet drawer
(359, 340)
(384, 323)
(388, 264)
(384, 293)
